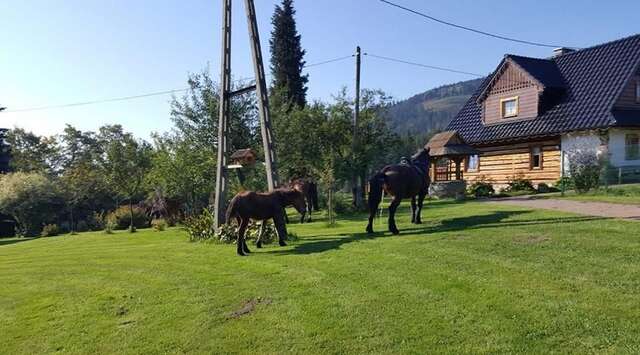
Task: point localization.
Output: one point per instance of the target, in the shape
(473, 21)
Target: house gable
(628, 99)
(511, 83)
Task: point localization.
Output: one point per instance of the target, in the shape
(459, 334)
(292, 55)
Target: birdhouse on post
(243, 158)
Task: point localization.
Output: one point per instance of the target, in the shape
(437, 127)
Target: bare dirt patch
(531, 239)
(248, 307)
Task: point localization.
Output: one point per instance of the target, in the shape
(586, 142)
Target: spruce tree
(287, 57)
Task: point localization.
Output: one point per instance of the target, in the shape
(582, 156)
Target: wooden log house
(531, 116)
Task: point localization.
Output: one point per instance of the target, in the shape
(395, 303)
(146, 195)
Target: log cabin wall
(501, 163)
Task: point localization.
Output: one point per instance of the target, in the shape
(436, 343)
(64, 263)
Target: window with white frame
(632, 146)
(473, 162)
(509, 107)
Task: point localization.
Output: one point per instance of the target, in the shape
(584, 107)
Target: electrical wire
(422, 14)
(159, 93)
(423, 65)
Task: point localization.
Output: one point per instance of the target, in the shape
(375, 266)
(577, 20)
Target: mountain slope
(431, 110)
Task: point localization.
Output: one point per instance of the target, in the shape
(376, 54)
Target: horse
(408, 180)
(310, 191)
(249, 205)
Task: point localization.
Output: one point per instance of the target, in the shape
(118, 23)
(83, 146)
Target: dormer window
(509, 107)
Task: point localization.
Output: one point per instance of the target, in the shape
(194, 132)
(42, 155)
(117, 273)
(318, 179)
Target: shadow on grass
(4, 242)
(323, 243)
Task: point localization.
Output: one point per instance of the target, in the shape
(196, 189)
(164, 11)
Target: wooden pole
(357, 189)
(223, 117)
(263, 98)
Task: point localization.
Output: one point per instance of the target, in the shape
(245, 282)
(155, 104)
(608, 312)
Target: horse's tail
(231, 211)
(376, 184)
(313, 191)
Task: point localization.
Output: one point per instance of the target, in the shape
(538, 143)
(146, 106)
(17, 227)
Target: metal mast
(225, 107)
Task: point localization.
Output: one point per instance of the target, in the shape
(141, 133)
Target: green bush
(159, 224)
(585, 171)
(109, 226)
(50, 230)
(343, 205)
(122, 219)
(82, 226)
(566, 183)
(96, 221)
(32, 199)
(481, 187)
(518, 183)
(201, 228)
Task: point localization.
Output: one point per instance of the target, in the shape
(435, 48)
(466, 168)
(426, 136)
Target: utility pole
(225, 107)
(357, 188)
(263, 97)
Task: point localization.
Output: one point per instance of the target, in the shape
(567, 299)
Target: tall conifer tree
(287, 57)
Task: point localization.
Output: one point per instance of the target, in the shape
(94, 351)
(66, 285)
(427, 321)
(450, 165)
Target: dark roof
(593, 79)
(243, 154)
(544, 70)
(449, 143)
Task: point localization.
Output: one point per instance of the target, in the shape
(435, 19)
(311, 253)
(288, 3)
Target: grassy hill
(433, 109)
(475, 278)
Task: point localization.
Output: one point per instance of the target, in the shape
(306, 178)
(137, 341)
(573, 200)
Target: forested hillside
(431, 110)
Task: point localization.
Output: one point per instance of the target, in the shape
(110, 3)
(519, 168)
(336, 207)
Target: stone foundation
(448, 189)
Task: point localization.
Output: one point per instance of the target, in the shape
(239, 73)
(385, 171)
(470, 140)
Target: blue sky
(59, 52)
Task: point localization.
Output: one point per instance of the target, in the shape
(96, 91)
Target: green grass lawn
(475, 278)
(623, 194)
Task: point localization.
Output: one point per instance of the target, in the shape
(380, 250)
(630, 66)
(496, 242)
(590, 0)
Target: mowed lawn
(475, 278)
(622, 194)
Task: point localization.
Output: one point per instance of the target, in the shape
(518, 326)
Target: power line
(85, 103)
(423, 65)
(469, 28)
(329, 61)
(160, 93)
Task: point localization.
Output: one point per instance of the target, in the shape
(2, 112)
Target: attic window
(509, 107)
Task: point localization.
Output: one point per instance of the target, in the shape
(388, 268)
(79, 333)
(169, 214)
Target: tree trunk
(131, 227)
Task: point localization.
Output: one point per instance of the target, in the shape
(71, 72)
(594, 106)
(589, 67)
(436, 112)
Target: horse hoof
(259, 245)
(418, 222)
(395, 231)
(283, 244)
(241, 254)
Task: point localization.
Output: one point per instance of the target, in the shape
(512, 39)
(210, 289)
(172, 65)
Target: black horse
(405, 180)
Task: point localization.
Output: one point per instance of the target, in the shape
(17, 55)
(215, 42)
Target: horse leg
(413, 209)
(421, 198)
(281, 228)
(240, 244)
(286, 217)
(392, 215)
(309, 207)
(261, 234)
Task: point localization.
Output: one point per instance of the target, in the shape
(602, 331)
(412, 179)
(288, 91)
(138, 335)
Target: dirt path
(600, 209)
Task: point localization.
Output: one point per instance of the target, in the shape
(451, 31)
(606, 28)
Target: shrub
(96, 221)
(481, 187)
(342, 205)
(518, 183)
(585, 169)
(50, 230)
(82, 226)
(32, 199)
(122, 219)
(109, 226)
(159, 224)
(565, 182)
(201, 228)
